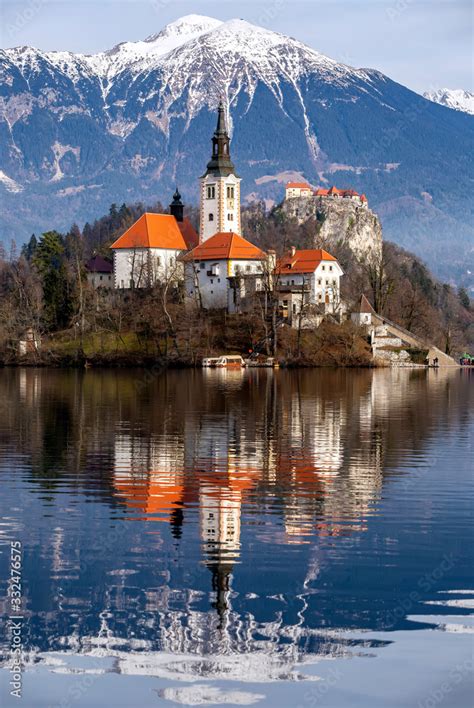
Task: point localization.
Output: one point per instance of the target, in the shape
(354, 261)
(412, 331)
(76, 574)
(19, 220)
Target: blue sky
(423, 44)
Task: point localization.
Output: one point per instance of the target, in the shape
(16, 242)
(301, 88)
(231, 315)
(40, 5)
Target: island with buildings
(185, 289)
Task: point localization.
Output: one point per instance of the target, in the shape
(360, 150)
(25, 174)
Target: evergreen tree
(49, 259)
(28, 249)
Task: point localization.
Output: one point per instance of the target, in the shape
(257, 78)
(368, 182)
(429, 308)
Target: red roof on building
(225, 245)
(365, 306)
(153, 231)
(304, 261)
(334, 191)
(298, 185)
(189, 233)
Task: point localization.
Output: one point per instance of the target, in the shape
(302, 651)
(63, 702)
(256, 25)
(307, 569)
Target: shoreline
(151, 363)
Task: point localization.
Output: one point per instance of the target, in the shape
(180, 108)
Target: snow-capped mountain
(78, 132)
(458, 99)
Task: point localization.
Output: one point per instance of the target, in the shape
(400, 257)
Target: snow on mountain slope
(458, 99)
(179, 44)
(145, 54)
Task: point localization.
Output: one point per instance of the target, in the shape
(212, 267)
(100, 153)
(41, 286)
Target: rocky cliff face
(344, 222)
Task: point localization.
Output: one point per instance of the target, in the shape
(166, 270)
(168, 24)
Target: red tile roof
(189, 233)
(304, 261)
(153, 231)
(334, 191)
(298, 185)
(365, 306)
(225, 246)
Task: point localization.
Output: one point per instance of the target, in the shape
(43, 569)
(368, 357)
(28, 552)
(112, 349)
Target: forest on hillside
(43, 286)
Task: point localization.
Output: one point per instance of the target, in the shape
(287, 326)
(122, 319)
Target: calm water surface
(239, 538)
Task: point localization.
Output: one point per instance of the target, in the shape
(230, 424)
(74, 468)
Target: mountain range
(78, 132)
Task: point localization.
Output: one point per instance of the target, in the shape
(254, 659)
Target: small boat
(233, 361)
(210, 361)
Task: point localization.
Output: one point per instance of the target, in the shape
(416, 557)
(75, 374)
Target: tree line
(44, 287)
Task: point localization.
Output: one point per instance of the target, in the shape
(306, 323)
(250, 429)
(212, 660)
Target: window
(319, 281)
(101, 277)
(320, 296)
(171, 261)
(248, 268)
(230, 192)
(292, 282)
(323, 267)
(230, 217)
(212, 292)
(158, 261)
(211, 191)
(202, 266)
(212, 281)
(211, 217)
(330, 267)
(327, 281)
(218, 280)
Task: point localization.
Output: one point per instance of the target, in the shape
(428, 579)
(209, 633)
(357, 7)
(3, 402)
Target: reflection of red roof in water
(159, 493)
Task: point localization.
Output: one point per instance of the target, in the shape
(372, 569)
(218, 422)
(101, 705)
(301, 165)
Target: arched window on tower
(211, 217)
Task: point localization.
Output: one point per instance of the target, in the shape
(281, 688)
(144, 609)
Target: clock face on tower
(220, 186)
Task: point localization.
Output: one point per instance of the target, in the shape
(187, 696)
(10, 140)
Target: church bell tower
(220, 186)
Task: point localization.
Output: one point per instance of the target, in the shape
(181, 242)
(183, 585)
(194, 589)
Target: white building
(363, 315)
(222, 271)
(99, 272)
(149, 250)
(295, 190)
(219, 187)
(307, 278)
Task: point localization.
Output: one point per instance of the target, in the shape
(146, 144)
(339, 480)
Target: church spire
(220, 163)
(177, 206)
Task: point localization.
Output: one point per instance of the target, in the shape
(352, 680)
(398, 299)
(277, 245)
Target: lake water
(280, 539)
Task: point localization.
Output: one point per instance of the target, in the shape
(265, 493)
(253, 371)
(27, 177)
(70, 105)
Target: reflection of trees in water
(315, 442)
(308, 450)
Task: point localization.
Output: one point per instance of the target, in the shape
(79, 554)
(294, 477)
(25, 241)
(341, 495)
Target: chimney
(292, 251)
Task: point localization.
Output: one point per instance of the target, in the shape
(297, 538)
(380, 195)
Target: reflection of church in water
(300, 454)
(311, 456)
